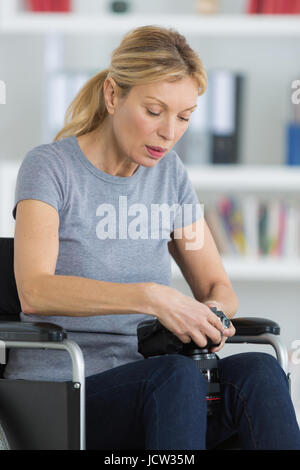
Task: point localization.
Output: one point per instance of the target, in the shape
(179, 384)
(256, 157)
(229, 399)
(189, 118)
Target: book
(49, 5)
(255, 7)
(252, 7)
(225, 210)
(272, 229)
(64, 5)
(250, 215)
(282, 228)
(262, 228)
(237, 227)
(291, 242)
(293, 144)
(296, 7)
(226, 115)
(271, 7)
(218, 231)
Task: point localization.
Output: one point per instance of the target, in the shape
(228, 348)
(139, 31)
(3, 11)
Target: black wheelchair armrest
(250, 326)
(31, 332)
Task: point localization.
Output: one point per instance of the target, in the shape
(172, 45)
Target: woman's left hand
(227, 332)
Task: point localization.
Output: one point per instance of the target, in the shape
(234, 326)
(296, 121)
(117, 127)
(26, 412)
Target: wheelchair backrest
(10, 306)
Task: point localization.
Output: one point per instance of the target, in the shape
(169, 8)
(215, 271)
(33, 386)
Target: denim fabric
(159, 403)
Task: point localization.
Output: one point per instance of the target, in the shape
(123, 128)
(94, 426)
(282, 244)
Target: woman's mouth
(155, 153)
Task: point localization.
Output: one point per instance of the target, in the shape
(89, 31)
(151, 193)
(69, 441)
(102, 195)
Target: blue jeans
(159, 403)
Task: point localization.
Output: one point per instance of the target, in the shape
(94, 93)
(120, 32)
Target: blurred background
(242, 148)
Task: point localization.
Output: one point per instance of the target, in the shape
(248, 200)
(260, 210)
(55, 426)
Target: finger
(215, 320)
(213, 333)
(229, 331)
(217, 348)
(185, 339)
(199, 339)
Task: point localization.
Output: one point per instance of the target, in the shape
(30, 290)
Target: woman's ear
(110, 95)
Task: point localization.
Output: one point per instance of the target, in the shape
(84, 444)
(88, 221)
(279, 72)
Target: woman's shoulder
(53, 156)
(49, 150)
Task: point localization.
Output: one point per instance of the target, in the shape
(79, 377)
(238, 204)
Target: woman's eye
(154, 114)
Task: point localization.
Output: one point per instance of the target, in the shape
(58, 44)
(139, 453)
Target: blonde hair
(146, 54)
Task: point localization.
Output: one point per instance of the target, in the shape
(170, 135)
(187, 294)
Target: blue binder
(293, 144)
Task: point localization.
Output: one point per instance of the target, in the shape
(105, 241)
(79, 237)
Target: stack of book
(214, 132)
(274, 7)
(48, 5)
(253, 227)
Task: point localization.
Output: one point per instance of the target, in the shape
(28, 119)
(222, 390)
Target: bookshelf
(12, 20)
(237, 178)
(284, 182)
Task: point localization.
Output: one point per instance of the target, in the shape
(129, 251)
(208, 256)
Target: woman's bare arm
(36, 245)
(197, 256)
(80, 297)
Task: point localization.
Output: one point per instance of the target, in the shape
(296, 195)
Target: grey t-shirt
(107, 232)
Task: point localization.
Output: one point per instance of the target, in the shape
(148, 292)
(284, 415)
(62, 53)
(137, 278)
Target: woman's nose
(167, 130)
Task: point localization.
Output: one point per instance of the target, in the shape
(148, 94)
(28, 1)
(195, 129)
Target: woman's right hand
(184, 316)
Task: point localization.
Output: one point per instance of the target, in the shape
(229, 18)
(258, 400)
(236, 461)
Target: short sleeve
(189, 208)
(41, 177)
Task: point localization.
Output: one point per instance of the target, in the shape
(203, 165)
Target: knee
(263, 365)
(256, 367)
(179, 369)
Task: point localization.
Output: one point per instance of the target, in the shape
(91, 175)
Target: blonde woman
(91, 257)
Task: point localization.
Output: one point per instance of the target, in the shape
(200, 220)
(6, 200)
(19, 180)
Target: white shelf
(250, 269)
(216, 26)
(242, 178)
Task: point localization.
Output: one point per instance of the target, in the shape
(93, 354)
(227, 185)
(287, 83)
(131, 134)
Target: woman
(83, 262)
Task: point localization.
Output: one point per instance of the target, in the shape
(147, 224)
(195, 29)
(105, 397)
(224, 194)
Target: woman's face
(155, 115)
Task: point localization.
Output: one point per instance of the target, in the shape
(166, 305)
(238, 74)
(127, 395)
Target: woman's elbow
(26, 302)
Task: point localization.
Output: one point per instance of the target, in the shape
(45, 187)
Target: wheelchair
(45, 415)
